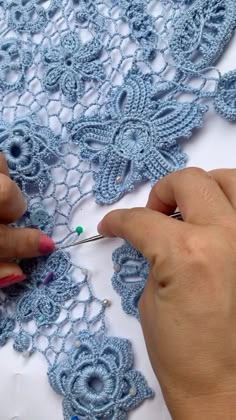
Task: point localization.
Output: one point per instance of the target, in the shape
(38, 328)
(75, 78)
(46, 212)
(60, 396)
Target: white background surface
(24, 390)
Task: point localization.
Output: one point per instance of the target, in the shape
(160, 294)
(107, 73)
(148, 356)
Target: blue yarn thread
(109, 84)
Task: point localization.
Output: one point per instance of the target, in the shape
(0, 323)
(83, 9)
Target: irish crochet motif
(95, 99)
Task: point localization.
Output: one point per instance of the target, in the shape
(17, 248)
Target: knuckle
(192, 172)
(5, 239)
(132, 214)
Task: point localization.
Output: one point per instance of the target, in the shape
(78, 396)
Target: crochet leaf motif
(201, 32)
(129, 278)
(98, 381)
(136, 140)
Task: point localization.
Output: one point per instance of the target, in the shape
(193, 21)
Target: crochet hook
(176, 215)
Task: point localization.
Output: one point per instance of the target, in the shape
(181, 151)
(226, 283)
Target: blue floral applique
(69, 65)
(129, 278)
(48, 286)
(225, 99)
(15, 59)
(7, 326)
(37, 216)
(88, 15)
(30, 15)
(201, 33)
(98, 380)
(136, 140)
(142, 25)
(29, 149)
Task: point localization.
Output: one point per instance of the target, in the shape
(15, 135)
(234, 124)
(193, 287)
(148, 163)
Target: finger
(196, 194)
(3, 165)
(10, 273)
(23, 243)
(147, 230)
(12, 203)
(226, 179)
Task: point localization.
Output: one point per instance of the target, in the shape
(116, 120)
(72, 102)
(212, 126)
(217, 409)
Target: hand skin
(16, 242)
(188, 307)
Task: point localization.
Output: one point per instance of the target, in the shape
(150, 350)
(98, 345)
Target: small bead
(48, 278)
(118, 179)
(41, 318)
(106, 302)
(78, 343)
(79, 230)
(84, 271)
(116, 267)
(38, 217)
(132, 391)
(74, 418)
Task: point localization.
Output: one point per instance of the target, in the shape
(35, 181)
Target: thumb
(23, 243)
(146, 230)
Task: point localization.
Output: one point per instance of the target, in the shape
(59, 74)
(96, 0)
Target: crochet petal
(116, 175)
(71, 85)
(52, 77)
(92, 70)
(132, 96)
(70, 42)
(89, 51)
(175, 119)
(161, 161)
(93, 135)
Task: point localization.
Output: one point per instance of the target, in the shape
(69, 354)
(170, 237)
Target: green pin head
(79, 230)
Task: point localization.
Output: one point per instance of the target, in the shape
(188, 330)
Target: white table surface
(24, 390)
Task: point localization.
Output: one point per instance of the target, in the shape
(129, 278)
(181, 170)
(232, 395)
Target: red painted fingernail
(13, 278)
(46, 244)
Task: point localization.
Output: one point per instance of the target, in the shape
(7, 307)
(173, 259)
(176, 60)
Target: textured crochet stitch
(95, 98)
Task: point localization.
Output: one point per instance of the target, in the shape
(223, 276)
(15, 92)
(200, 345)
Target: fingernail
(99, 226)
(46, 244)
(13, 278)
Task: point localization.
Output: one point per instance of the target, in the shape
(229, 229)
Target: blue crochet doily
(101, 89)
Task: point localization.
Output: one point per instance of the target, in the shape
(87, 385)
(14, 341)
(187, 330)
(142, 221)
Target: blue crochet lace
(95, 97)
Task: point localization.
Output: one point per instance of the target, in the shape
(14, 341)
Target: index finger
(3, 165)
(146, 230)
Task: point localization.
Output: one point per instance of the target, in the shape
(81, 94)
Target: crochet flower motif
(98, 381)
(201, 32)
(130, 275)
(71, 63)
(88, 14)
(136, 140)
(48, 285)
(30, 15)
(7, 326)
(141, 24)
(225, 100)
(14, 61)
(29, 149)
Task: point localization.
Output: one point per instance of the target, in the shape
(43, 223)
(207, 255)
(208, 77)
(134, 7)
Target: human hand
(16, 242)
(188, 307)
